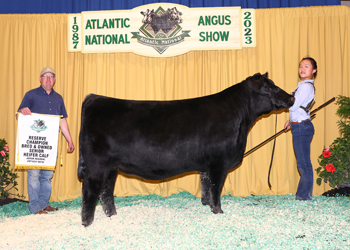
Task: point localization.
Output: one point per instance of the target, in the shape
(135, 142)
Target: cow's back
(181, 134)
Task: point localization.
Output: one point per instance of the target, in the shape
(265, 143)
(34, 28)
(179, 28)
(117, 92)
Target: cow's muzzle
(291, 101)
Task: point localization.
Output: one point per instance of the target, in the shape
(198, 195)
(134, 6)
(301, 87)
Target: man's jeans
(39, 188)
(302, 135)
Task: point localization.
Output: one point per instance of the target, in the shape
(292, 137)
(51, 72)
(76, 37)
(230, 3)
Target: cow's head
(175, 15)
(266, 96)
(147, 16)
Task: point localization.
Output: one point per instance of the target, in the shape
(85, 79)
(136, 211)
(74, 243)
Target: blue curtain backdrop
(77, 6)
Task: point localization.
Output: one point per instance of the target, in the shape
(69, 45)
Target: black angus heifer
(156, 140)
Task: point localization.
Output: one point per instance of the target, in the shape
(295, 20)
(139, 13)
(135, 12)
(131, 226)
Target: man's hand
(25, 111)
(70, 147)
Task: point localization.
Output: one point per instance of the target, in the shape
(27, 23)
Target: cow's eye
(267, 88)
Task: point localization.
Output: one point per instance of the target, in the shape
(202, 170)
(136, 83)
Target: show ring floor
(182, 222)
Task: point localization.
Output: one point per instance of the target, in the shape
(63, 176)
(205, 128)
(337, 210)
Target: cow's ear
(255, 81)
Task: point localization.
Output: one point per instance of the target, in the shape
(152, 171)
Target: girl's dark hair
(313, 63)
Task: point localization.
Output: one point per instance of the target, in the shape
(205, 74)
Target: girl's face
(306, 70)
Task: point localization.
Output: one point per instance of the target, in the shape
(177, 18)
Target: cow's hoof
(217, 210)
(87, 223)
(205, 202)
(109, 214)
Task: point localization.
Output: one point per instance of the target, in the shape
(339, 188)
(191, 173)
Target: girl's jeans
(39, 188)
(302, 135)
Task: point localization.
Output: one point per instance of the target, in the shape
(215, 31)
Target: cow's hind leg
(205, 188)
(106, 195)
(91, 190)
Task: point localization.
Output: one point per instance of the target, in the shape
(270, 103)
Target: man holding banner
(36, 148)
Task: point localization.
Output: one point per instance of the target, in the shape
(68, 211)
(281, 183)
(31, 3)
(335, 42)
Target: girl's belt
(299, 121)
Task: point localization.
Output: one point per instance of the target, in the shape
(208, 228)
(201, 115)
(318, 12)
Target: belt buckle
(297, 122)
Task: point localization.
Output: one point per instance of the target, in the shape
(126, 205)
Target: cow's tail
(81, 163)
(81, 166)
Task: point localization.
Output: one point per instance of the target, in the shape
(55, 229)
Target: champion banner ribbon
(37, 141)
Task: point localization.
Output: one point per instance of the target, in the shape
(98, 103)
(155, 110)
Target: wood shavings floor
(182, 222)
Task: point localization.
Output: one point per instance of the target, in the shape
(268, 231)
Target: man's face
(47, 81)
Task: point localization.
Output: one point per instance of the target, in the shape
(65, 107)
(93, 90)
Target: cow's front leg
(90, 193)
(216, 182)
(106, 195)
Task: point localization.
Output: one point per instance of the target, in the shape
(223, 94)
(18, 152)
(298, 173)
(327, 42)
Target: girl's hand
(287, 126)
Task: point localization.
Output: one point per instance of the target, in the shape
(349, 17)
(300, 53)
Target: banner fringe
(35, 167)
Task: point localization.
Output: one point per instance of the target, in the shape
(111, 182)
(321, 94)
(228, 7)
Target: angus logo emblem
(39, 125)
(160, 28)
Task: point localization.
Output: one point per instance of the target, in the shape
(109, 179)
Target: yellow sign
(162, 30)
